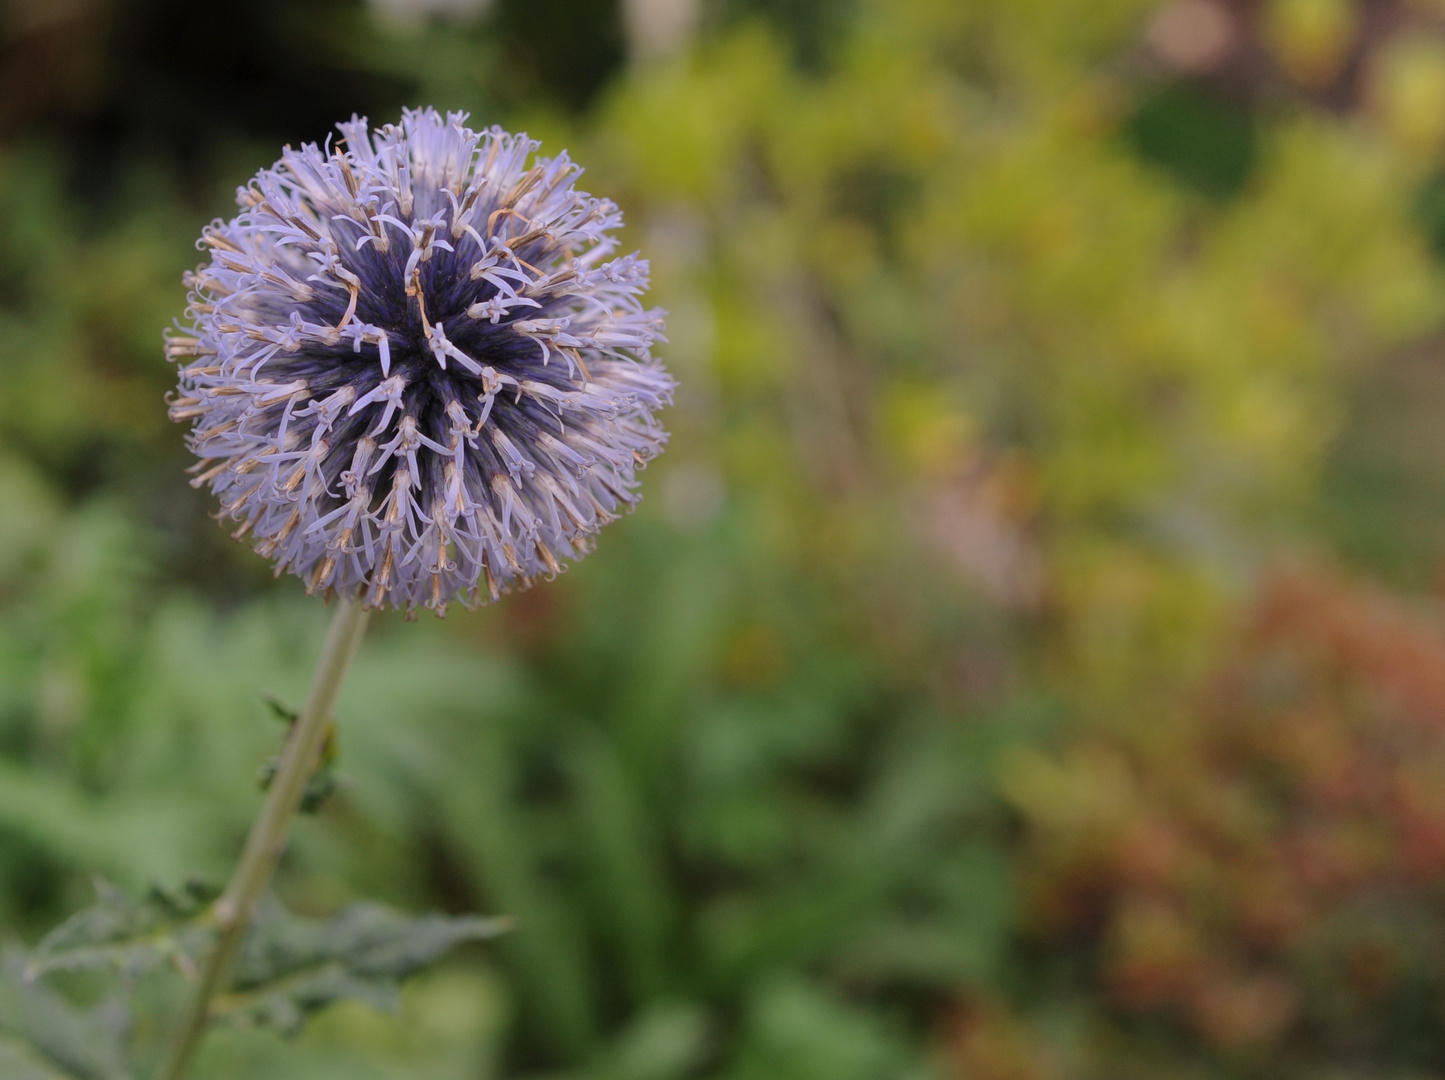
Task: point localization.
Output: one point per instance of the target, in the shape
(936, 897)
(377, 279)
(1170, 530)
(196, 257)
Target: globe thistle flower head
(416, 365)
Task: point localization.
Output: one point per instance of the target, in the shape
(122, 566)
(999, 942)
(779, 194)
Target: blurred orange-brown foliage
(1263, 872)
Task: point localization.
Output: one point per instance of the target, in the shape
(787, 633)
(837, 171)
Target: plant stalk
(236, 906)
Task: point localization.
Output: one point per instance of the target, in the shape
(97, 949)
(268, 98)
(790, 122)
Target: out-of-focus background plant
(1029, 661)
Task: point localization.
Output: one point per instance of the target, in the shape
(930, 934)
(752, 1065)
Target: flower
(417, 367)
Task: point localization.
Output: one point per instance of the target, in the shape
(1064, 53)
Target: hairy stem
(267, 839)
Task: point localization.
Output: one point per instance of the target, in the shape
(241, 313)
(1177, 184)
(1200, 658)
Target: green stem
(236, 906)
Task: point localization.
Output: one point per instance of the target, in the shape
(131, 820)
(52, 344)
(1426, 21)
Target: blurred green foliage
(1011, 358)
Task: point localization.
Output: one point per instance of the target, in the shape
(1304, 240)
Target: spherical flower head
(417, 367)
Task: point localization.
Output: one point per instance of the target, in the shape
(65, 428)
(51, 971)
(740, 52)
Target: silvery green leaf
(291, 966)
(131, 936)
(45, 1037)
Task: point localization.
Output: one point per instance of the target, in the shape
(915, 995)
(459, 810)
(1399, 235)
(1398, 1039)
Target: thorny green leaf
(291, 966)
(131, 936)
(44, 1037)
